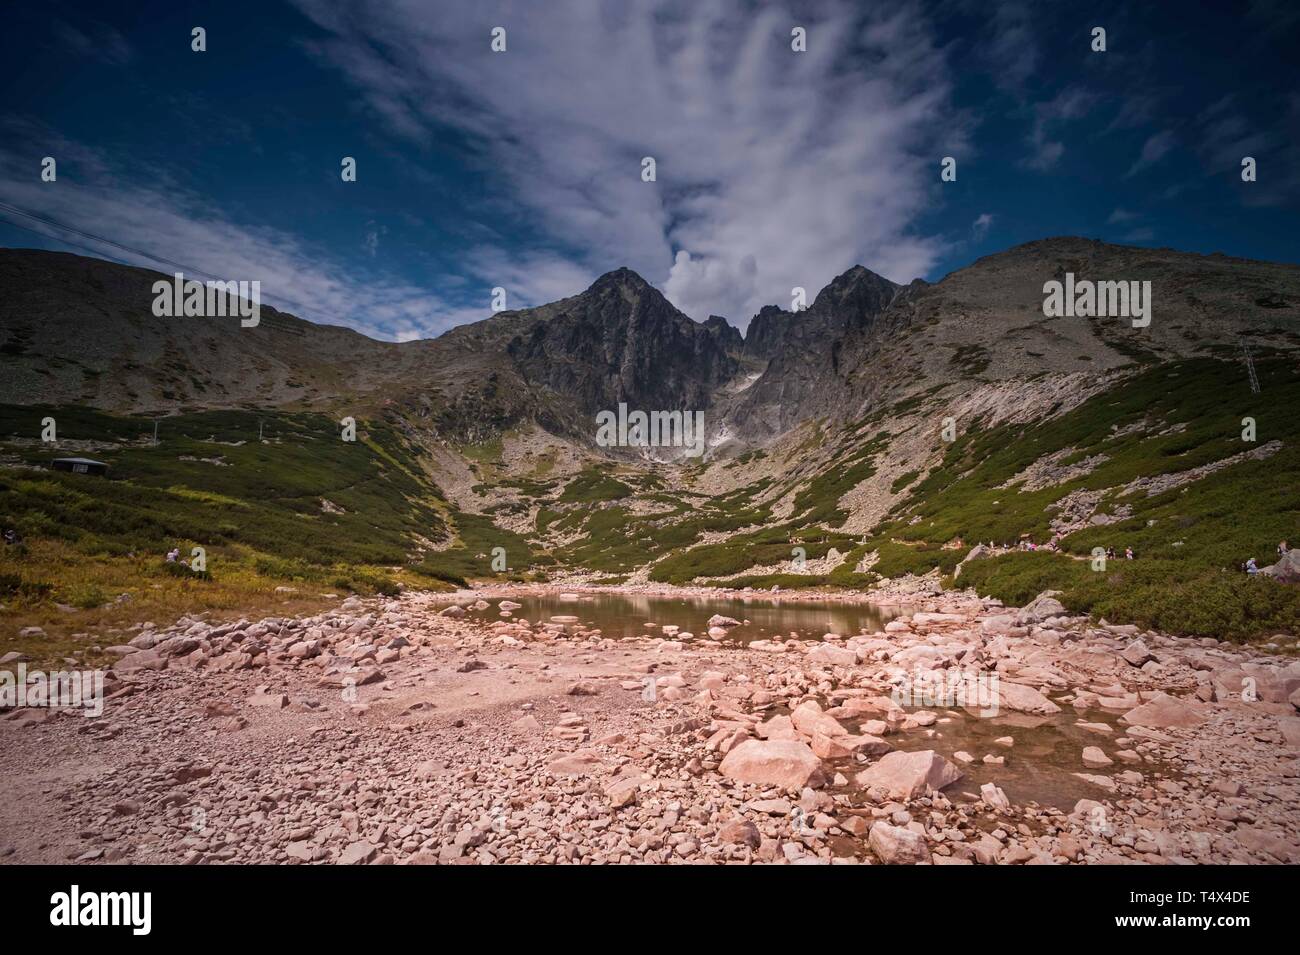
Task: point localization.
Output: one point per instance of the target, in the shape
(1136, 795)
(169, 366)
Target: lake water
(620, 615)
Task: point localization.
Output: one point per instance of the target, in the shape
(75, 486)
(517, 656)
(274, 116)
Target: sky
(523, 169)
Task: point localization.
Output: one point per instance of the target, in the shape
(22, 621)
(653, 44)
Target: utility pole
(1250, 367)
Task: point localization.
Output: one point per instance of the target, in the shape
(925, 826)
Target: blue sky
(522, 169)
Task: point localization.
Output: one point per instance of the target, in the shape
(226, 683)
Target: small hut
(81, 466)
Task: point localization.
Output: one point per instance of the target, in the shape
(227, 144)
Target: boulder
(809, 719)
(1136, 654)
(908, 775)
(1095, 758)
(140, 660)
(1165, 712)
(786, 763)
(1023, 699)
(1286, 570)
(741, 832)
(1041, 607)
(894, 845)
(580, 763)
(832, 655)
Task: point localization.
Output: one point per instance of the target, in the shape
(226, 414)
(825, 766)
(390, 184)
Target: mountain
(880, 431)
(81, 331)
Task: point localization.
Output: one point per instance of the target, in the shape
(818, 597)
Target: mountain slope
(876, 434)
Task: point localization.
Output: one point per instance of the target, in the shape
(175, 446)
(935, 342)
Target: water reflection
(620, 615)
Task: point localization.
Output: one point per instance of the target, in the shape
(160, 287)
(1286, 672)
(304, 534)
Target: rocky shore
(410, 731)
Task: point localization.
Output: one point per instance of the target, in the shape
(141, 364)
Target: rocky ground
(404, 731)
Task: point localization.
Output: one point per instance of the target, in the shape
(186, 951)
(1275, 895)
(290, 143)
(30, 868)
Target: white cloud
(1153, 150)
(1071, 103)
(162, 218)
(980, 227)
(775, 169)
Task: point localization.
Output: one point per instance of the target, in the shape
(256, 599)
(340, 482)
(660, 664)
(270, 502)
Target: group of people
(174, 556)
(1252, 568)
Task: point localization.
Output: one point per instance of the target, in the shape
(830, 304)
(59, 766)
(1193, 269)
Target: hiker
(1128, 553)
(11, 536)
(1110, 553)
(1250, 566)
(173, 554)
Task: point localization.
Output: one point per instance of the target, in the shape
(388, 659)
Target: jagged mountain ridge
(80, 331)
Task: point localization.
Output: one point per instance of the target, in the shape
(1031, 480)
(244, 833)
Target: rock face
(786, 763)
(907, 775)
(620, 340)
(808, 349)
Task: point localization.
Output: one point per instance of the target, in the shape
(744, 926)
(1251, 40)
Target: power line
(15, 210)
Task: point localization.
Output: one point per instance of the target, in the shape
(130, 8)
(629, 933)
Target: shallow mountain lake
(624, 615)
(1039, 766)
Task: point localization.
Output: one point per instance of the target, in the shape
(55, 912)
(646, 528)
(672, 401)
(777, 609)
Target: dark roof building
(80, 466)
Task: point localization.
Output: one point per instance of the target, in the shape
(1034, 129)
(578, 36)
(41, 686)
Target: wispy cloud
(1154, 149)
(148, 210)
(1046, 149)
(980, 227)
(95, 40)
(774, 168)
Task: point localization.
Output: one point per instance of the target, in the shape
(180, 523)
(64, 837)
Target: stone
(1165, 712)
(1136, 654)
(908, 775)
(526, 725)
(994, 797)
(741, 832)
(809, 719)
(1023, 699)
(786, 763)
(832, 655)
(140, 660)
(358, 853)
(578, 763)
(274, 701)
(1095, 758)
(894, 845)
(1286, 570)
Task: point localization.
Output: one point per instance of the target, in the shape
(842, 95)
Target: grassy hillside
(299, 509)
(302, 509)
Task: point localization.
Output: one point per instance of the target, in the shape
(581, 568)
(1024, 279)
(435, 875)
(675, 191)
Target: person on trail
(1128, 553)
(1250, 566)
(173, 554)
(1110, 553)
